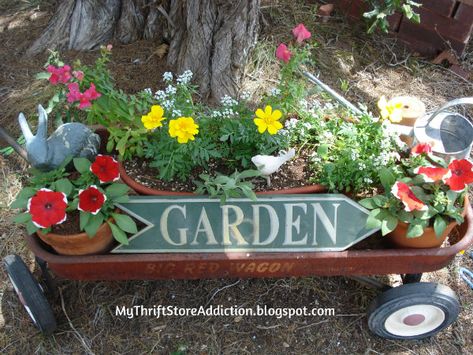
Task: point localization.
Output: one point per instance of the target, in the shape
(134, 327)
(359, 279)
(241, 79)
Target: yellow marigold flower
(153, 119)
(268, 120)
(184, 128)
(391, 109)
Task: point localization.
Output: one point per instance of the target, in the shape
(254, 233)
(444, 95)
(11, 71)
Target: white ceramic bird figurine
(268, 164)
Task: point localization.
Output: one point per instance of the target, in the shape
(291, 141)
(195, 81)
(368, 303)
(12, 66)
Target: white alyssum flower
(245, 95)
(167, 76)
(275, 92)
(148, 91)
(228, 101)
(160, 95)
(185, 77)
(291, 123)
(171, 90)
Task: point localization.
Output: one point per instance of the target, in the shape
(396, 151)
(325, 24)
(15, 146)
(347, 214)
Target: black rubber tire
(30, 294)
(419, 294)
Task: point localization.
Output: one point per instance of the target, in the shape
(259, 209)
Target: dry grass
(85, 310)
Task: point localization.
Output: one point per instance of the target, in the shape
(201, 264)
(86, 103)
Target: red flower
(403, 192)
(59, 75)
(105, 168)
(300, 33)
(283, 53)
(459, 175)
(88, 95)
(47, 208)
(431, 173)
(74, 93)
(91, 200)
(421, 148)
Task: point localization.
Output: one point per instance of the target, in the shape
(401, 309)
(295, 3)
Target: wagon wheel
(413, 311)
(30, 294)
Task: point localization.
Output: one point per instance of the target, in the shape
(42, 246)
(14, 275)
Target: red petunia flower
(283, 53)
(300, 33)
(421, 148)
(105, 168)
(403, 192)
(47, 208)
(91, 200)
(459, 175)
(431, 173)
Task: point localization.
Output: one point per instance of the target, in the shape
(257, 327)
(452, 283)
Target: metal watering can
(449, 133)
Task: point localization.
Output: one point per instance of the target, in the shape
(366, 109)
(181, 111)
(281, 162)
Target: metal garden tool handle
(462, 101)
(467, 276)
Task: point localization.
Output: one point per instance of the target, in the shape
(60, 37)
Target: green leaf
(388, 224)
(440, 224)
(367, 203)
(116, 190)
(118, 234)
(110, 145)
(373, 221)
(249, 174)
(22, 218)
(387, 178)
(94, 223)
(19, 203)
(380, 200)
(125, 223)
(84, 219)
(82, 165)
(121, 199)
(414, 230)
(43, 75)
(121, 145)
(322, 150)
(64, 185)
(31, 228)
(26, 193)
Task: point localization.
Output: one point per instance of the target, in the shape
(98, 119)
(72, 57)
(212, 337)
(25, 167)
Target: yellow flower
(268, 120)
(391, 109)
(184, 128)
(153, 119)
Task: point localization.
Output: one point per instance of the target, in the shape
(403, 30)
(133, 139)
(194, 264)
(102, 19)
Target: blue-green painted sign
(273, 223)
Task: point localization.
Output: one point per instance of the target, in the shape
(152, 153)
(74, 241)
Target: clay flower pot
(426, 240)
(144, 190)
(80, 244)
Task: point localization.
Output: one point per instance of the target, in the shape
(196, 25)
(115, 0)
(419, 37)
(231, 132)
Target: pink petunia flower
(421, 148)
(300, 33)
(431, 173)
(410, 201)
(283, 53)
(460, 174)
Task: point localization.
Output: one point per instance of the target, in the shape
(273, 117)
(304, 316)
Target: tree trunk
(212, 38)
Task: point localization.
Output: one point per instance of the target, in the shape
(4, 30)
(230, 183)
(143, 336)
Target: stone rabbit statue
(69, 140)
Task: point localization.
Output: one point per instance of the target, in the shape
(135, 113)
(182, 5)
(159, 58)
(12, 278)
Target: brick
(468, 2)
(394, 22)
(442, 7)
(447, 27)
(427, 41)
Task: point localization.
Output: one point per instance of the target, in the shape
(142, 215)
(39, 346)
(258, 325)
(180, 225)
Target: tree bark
(212, 38)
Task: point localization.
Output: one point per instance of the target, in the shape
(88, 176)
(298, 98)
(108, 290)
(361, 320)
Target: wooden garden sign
(273, 223)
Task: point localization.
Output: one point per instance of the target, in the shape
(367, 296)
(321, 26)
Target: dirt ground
(361, 67)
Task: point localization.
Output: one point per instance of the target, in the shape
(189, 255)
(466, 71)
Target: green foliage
(442, 205)
(226, 187)
(381, 9)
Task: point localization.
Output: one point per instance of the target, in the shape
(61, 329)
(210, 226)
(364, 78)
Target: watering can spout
(449, 133)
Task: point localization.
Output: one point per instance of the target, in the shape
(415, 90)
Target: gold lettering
(274, 267)
(286, 267)
(263, 267)
(250, 267)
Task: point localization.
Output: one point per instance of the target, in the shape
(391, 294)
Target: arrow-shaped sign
(273, 223)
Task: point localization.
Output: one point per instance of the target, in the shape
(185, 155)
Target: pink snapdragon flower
(300, 33)
(85, 97)
(74, 93)
(59, 75)
(283, 53)
(78, 74)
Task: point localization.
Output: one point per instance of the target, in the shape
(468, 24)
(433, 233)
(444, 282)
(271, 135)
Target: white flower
(167, 76)
(275, 92)
(171, 90)
(160, 95)
(228, 101)
(290, 124)
(148, 91)
(185, 77)
(245, 95)
(177, 113)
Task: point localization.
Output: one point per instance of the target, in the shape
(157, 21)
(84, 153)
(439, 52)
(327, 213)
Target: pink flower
(283, 53)
(431, 173)
(460, 174)
(74, 93)
(59, 75)
(404, 193)
(91, 93)
(78, 74)
(109, 47)
(421, 148)
(300, 33)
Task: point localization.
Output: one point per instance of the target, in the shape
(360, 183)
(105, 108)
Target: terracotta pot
(80, 244)
(144, 190)
(426, 240)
